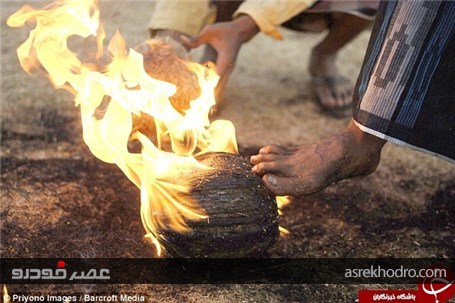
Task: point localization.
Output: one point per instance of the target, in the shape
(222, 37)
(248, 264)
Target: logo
(437, 289)
(429, 290)
(60, 273)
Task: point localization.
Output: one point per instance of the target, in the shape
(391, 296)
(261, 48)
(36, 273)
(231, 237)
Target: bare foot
(333, 92)
(308, 169)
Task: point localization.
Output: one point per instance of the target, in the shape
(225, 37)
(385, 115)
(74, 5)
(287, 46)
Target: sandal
(331, 82)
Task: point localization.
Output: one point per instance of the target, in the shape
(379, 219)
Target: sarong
(405, 92)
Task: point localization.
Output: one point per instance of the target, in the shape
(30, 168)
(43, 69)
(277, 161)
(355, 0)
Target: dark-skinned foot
(309, 169)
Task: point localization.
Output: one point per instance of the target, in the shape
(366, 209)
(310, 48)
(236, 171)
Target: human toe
(274, 149)
(281, 186)
(266, 167)
(326, 97)
(263, 158)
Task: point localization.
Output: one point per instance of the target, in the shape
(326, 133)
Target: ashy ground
(58, 200)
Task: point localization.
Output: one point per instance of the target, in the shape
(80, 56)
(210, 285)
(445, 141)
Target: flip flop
(330, 82)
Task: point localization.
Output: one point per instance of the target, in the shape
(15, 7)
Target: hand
(226, 38)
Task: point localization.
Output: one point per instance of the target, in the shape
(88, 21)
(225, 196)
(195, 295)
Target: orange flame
(132, 91)
(282, 201)
(6, 297)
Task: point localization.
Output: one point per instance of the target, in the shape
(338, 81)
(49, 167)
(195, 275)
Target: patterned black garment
(405, 92)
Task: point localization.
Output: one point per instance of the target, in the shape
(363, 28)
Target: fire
(282, 201)
(6, 297)
(120, 89)
(153, 170)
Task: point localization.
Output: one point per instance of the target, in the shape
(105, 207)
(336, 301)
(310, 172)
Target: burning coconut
(147, 110)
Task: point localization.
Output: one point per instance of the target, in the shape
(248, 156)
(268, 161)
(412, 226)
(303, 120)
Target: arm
(268, 15)
(251, 17)
(226, 38)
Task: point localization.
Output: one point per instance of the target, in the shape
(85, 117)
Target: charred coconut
(242, 213)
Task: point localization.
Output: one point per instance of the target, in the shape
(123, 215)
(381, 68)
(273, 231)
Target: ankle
(324, 52)
(364, 139)
(361, 150)
(365, 147)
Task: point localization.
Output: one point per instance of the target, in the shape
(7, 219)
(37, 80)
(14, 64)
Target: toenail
(272, 180)
(255, 168)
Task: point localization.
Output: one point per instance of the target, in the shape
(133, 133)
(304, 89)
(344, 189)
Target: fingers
(225, 56)
(190, 42)
(195, 41)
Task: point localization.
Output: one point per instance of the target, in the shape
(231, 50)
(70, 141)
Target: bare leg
(342, 29)
(308, 169)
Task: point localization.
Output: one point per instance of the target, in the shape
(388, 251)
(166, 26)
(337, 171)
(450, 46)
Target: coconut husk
(165, 59)
(242, 212)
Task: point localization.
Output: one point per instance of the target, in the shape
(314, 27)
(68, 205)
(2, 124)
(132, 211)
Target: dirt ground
(57, 200)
